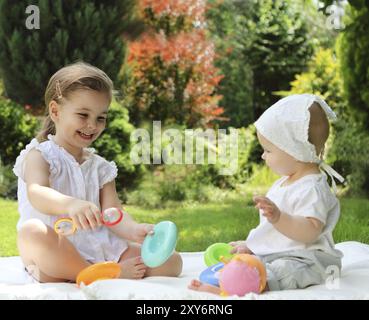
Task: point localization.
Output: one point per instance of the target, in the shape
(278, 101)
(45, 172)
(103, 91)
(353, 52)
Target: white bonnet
(286, 125)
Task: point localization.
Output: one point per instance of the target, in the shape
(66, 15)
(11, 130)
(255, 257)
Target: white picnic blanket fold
(353, 284)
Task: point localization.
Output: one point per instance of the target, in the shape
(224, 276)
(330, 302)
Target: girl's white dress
(82, 181)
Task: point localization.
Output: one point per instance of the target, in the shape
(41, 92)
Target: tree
(17, 129)
(261, 46)
(354, 50)
(225, 19)
(352, 144)
(170, 75)
(323, 78)
(355, 64)
(69, 30)
(280, 48)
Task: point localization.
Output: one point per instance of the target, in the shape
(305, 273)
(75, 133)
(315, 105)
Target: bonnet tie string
(332, 173)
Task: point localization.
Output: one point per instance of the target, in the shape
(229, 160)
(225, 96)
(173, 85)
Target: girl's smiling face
(279, 161)
(81, 118)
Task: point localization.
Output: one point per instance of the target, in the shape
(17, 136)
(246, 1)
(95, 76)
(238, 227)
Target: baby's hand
(240, 247)
(141, 230)
(268, 208)
(85, 214)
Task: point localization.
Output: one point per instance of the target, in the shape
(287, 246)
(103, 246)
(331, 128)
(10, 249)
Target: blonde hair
(318, 128)
(77, 76)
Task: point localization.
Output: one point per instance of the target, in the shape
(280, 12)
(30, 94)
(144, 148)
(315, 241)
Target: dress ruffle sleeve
(47, 153)
(107, 171)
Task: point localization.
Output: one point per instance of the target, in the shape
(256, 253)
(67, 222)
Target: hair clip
(58, 90)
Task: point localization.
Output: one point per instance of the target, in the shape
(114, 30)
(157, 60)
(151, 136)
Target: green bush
(115, 145)
(261, 179)
(180, 184)
(349, 155)
(168, 184)
(8, 182)
(17, 129)
(200, 183)
(249, 152)
(176, 185)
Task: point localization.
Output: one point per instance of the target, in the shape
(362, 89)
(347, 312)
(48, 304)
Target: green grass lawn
(200, 225)
(8, 233)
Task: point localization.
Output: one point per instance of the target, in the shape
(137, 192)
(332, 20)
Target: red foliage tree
(172, 75)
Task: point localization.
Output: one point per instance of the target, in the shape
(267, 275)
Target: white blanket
(353, 284)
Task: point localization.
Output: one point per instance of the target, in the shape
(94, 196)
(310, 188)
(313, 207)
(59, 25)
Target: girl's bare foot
(132, 268)
(204, 287)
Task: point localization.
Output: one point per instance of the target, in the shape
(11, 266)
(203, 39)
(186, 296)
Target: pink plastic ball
(237, 278)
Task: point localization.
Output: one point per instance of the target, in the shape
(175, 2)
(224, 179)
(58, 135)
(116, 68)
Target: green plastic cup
(215, 251)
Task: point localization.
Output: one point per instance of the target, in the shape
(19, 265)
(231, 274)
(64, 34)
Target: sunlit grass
(8, 220)
(200, 225)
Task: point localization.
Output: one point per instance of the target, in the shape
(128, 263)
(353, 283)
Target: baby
(299, 212)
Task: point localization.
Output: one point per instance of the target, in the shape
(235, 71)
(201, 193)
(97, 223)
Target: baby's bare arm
(299, 228)
(41, 196)
(303, 229)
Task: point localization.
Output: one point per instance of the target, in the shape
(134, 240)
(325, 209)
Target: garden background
(193, 64)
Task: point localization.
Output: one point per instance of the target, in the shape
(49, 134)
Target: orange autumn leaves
(177, 67)
(191, 9)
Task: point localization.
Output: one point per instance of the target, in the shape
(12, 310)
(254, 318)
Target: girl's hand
(85, 215)
(268, 208)
(240, 247)
(141, 230)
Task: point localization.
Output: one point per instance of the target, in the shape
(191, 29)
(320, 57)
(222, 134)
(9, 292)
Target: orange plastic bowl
(98, 271)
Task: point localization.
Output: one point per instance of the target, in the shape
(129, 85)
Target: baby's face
(82, 117)
(277, 160)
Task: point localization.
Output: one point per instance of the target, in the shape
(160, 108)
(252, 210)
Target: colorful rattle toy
(237, 274)
(215, 257)
(243, 274)
(159, 246)
(110, 217)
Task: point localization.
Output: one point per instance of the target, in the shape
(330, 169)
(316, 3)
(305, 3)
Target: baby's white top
(309, 196)
(82, 181)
